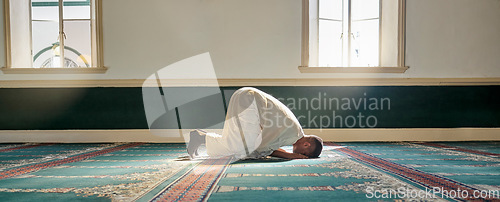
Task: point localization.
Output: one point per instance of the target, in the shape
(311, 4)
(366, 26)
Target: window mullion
(349, 34)
(379, 33)
(316, 56)
(61, 34)
(92, 35)
(30, 17)
(342, 63)
(346, 32)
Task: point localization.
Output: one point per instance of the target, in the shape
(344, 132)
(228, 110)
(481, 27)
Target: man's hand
(283, 154)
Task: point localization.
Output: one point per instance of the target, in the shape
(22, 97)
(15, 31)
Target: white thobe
(265, 123)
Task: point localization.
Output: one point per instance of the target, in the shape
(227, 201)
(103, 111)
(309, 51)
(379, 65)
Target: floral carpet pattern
(420, 171)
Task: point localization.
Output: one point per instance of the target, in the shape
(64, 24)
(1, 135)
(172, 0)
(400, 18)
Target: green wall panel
(316, 107)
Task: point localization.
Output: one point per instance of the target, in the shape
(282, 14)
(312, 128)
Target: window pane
(48, 11)
(78, 42)
(76, 9)
(365, 43)
(44, 37)
(330, 9)
(364, 9)
(330, 43)
(44, 2)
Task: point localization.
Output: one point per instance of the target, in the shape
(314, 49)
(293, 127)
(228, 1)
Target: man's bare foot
(196, 138)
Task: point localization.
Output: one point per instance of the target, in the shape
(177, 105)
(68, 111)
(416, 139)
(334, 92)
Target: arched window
(53, 34)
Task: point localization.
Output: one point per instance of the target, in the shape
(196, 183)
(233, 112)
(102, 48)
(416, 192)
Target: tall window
(348, 33)
(53, 34)
(353, 33)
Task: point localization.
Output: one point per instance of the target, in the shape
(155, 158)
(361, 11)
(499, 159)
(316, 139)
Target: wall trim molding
(173, 135)
(352, 69)
(252, 82)
(76, 70)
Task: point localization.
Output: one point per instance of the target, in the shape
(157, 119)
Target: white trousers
(242, 132)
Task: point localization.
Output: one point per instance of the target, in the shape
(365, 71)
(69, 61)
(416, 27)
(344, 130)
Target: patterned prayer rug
(87, 172)
(445, 171)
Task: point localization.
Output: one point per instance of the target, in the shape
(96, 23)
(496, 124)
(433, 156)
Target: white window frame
(97, 50)
(305, 66)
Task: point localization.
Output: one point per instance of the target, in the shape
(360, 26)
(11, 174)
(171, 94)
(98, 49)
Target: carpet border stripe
(197, 183)
(422, 178)
(39, 166)
(431, 144)
(185, 168)
(172, 183)
(25, 147)
(214, 185)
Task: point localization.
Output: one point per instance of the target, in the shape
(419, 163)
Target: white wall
(453, 38)
(261, 38)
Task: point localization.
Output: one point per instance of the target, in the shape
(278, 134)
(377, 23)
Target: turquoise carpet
(449, 171)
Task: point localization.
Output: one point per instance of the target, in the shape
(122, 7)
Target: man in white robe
(257, 125)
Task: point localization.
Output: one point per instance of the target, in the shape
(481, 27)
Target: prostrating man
(257, 125)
